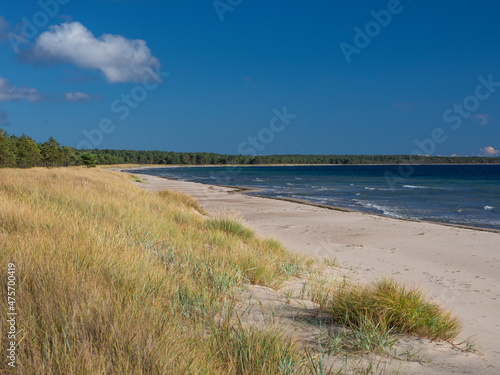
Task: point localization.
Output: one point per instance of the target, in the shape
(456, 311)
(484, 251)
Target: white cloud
(482, 118)
(77, 97)
(489, 151)
(9, 93)
(118, 58)
(3, 119)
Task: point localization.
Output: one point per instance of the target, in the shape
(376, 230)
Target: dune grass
(114, 279)
(386, 306)
(249, 349)
(183, 200)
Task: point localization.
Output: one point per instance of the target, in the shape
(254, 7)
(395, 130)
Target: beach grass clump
(114, 279)
(230, 226)
(253, 350)
(390, 306)
(367, 336)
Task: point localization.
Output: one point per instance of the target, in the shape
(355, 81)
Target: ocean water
(454, 194)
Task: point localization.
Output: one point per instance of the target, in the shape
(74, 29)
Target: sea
(454, 194)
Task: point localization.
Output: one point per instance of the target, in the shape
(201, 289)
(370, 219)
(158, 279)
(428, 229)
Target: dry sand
(457, 266)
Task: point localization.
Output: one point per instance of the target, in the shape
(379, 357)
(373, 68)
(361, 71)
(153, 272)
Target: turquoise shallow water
(455, 194)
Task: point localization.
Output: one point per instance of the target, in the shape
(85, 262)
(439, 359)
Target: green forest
(24, 152)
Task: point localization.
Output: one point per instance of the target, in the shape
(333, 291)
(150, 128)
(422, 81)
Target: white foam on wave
(423, 187)
(379, 189)
(324, 188)
(385, 210)
(310, 198)
(489, 208)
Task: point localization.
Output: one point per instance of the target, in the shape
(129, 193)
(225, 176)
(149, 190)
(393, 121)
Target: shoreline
(250, 191)
(457, 267)
(145, 166)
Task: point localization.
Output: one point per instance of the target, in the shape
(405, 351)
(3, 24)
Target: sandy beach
(457, 266)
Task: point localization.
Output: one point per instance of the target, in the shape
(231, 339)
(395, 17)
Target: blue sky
(366, 77)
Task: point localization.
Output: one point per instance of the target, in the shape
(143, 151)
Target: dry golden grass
(124, 166)
(113, 279)
(132, 166)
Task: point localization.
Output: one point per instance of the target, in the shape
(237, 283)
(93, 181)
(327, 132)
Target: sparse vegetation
(367, 337)
(331, 262)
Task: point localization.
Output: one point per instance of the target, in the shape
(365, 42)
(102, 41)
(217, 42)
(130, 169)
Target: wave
(379, 189)
(489, 208)
(385, 210)
(423, 187)
(308, 197)
(323, 188)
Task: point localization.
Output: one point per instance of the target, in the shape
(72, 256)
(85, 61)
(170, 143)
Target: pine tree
(52, 153)
(89, 160)
(69, 156)
(28, 152)
(7, 150)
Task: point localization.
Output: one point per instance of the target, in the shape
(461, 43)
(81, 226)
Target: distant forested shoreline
(24, 152)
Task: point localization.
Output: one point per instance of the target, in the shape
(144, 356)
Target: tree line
(204, 158)
(24, 152)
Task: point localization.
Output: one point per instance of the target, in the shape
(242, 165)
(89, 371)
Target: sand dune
(457, 266)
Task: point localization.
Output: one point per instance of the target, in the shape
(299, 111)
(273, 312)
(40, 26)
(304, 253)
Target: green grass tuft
(230, 226)
(250, 350)
(390, 306)
(366, 337)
